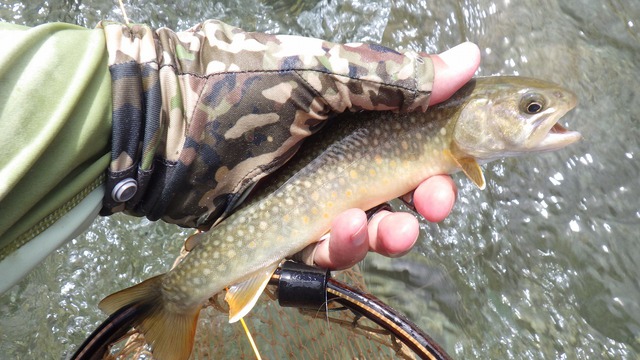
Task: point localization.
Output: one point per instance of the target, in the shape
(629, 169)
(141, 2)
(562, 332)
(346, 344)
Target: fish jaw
(555, 136)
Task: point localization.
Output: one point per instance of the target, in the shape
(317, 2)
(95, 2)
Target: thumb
(453, 68)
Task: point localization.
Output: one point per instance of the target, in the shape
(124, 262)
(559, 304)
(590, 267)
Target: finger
(348, 243)
(434, 198)
(393, 234)
(453, 68)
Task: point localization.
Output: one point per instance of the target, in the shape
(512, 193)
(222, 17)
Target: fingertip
(395, 234)
(464, 58)
(434, 198)
(348, 243)
(453, 68)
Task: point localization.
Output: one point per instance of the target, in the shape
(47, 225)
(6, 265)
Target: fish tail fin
(169, 331)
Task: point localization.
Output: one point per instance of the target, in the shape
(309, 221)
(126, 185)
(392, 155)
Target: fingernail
(457, 54)
(360, 236)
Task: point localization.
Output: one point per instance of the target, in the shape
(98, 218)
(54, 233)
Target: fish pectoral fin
(242, 296)
(471, 168)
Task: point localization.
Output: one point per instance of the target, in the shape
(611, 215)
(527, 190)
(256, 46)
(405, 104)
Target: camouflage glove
(200, 116)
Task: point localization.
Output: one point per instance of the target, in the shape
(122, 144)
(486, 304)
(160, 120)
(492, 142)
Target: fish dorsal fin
(341, 152)
(242, 297)
(194, 240)
(470, 167)
(234, 203)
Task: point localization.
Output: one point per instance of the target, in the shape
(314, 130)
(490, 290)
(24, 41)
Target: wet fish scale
(342, 180)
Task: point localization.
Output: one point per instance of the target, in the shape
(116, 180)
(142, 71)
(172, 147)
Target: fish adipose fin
(169, 332)
(469, 167)
(242, 296)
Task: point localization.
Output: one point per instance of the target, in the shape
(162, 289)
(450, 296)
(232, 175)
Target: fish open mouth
(558, 137)
(558, 129)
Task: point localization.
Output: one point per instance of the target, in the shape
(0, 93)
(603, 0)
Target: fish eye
(532, 103)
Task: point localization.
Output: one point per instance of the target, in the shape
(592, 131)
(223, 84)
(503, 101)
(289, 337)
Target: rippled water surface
(543, 264)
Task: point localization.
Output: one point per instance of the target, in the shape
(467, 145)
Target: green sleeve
(55, 125)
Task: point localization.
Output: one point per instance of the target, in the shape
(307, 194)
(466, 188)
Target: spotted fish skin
(367, 159)
(370, 161)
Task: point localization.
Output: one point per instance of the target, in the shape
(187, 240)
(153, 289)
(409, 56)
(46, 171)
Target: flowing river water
(542, 264)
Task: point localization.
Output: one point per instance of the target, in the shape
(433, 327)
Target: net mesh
(283, 333)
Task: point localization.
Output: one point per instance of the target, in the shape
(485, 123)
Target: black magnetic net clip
(302, 286)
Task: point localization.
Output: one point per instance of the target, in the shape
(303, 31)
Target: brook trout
(373, 158)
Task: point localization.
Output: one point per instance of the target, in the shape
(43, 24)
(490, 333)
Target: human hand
(394, 234)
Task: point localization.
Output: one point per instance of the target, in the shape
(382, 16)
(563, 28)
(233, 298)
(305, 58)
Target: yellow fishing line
(124, 13)
(253, 344)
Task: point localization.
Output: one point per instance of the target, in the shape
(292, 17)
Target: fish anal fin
(242, 296)
(469, 167)
(169, 331)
